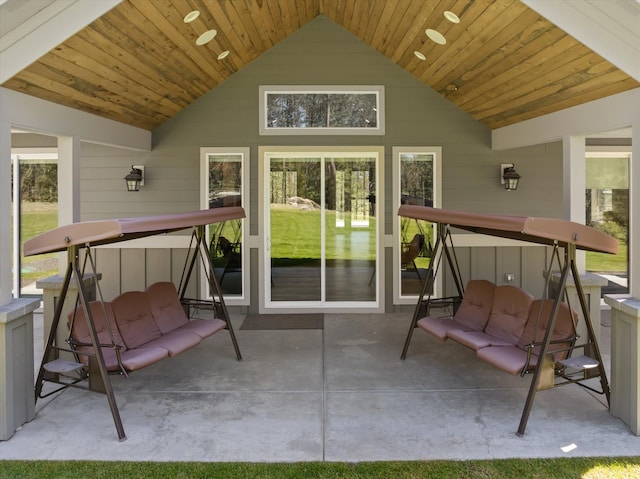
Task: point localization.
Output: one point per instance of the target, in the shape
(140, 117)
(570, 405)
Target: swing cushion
(165, 306)
(475, 309)
(513, 359)
(169, 313)
(472, 314)
(133, 315)
(509, 313)
(131, 359)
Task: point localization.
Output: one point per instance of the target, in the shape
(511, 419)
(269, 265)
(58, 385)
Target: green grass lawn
(608, 263)
(36, 219)
(565, 468)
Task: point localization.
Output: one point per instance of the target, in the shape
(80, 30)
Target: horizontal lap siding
(134, 269)
(526, 263)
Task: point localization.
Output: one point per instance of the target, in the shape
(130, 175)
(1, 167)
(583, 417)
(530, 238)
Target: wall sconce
(135, 178)
(509, 177)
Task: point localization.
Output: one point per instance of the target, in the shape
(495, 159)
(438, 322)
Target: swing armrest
(75, 343)
(531, 346)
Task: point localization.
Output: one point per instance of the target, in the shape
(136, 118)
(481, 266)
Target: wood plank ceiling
(139, 63)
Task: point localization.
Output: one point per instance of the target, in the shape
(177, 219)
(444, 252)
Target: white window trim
(378, 90)
(242, 300)
(437, 202)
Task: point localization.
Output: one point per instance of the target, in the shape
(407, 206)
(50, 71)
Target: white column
(68, 186)
(5, 213)
(574, 181)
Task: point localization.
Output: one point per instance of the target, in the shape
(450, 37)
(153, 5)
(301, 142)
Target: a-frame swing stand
(549, 373)
(68, 373)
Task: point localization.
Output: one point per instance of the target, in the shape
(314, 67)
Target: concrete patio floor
(337, 394)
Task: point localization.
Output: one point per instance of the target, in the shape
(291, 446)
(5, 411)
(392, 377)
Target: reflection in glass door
(322, 229)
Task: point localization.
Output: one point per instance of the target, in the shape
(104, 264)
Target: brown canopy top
(524, 228)
(95, 233)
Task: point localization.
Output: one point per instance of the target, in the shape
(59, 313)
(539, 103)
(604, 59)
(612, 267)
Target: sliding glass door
(321, 229)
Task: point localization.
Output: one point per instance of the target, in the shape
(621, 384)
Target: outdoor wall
(322, 53)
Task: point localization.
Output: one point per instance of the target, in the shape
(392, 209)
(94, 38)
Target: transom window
(322, 110)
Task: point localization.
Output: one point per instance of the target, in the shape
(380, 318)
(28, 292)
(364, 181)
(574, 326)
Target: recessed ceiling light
(435, 36)
(206, 37)
(452, 17)
(420, 55)
(224, 54)
(191, 16)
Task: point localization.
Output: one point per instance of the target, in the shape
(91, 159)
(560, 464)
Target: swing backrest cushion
(563, 329)
(80, 333)
(166, 307)
(80, 329)
(509, 313)
(134, 317)
(475, 308)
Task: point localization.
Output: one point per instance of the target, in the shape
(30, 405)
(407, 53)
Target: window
(322, 110)
(224, 183)
(416, 181)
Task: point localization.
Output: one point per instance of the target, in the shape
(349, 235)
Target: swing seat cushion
(169, 313)
(513, 359)
(134, 318)
(509, 313)
(472, 314)
(204, 327)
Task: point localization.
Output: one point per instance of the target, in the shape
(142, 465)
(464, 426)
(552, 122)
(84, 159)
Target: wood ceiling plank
(84, 54)
(89, 41)
(502, 53)
(428, 48)
(402, 18)
(617, 82)
(567, 79)
(380, 25)
(179, 9)
(170, 23)
(212, 16)
(250, 38)
(357, 22)
(339, 11)
(285, 24)
(113, 27)
(484, 33)
(53, 88)
(480, 79)
(143, 32)
(103, 79)
(562, 67)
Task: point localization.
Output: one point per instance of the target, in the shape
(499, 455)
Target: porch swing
(504, 324)
(98, 345)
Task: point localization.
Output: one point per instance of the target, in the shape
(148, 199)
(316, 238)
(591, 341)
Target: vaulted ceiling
(139, 62)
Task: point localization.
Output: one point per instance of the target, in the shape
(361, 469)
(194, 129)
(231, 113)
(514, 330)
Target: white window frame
(245, 152)
(378, 90)
(397, 151)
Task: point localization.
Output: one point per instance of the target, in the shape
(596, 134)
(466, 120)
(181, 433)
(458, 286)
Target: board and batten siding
(323, 53)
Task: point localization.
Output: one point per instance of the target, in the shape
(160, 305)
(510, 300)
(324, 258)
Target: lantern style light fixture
(509, 177)
(135, 178)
